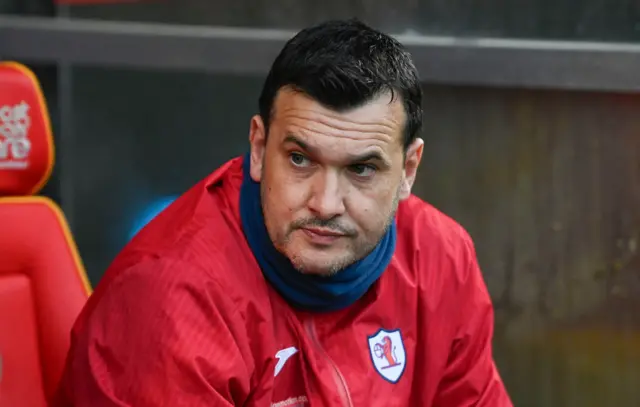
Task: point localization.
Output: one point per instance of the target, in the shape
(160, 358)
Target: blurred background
(532, 130)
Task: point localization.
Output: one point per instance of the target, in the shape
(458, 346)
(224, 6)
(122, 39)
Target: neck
(308, 292)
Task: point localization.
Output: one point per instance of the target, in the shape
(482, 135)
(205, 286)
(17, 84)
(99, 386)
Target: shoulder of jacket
(431, 239)
(425, 225)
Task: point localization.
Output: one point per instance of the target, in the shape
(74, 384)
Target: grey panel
(446, 60)
(550, 19)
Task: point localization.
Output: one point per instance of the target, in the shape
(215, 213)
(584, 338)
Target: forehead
(379, 122)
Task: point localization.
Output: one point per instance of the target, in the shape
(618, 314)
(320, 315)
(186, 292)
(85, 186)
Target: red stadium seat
(43, 285)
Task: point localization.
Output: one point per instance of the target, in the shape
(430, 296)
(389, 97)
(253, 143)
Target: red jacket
(184, 317)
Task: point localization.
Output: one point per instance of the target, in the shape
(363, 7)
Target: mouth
(322, 237)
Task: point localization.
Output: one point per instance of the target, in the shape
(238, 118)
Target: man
(305, 273)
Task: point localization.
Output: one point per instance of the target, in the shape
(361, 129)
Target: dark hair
(343, 65)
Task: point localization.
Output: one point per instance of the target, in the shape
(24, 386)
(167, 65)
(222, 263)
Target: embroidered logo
(283, 356)
(388, 354)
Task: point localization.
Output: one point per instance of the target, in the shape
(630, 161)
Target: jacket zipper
(341, 383)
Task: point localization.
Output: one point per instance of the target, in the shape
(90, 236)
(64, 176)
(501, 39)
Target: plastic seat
(43, 284)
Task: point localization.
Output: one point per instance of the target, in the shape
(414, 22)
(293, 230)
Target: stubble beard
(282, 243)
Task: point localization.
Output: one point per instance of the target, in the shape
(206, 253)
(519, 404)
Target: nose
(327, 198)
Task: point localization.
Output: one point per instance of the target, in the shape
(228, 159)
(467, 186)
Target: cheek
(284, 198)
(372, 207)
(370, 213)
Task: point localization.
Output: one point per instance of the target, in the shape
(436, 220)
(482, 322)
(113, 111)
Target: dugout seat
(43, 285)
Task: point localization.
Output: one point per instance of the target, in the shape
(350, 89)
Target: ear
(412, 160)
(258, 142)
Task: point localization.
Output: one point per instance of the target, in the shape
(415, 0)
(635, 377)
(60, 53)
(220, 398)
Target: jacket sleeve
(471, 378)
(157, 335)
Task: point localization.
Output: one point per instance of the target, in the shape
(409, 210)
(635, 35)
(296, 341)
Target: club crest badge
(388, 354)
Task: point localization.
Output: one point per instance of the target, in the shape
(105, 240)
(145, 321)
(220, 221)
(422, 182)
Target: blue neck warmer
(308, 292)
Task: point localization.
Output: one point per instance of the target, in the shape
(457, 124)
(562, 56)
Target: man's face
(331, 181)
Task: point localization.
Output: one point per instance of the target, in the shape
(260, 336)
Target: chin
(323, 264)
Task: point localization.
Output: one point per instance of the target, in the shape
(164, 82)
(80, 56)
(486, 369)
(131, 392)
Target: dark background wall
(547, 183)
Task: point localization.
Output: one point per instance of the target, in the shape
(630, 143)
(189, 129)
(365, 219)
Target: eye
(298, 160)
(363, 170)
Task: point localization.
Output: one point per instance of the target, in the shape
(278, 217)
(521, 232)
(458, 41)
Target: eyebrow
(295, 140)
(368, 156)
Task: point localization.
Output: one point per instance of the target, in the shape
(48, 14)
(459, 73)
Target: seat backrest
(43, 285)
